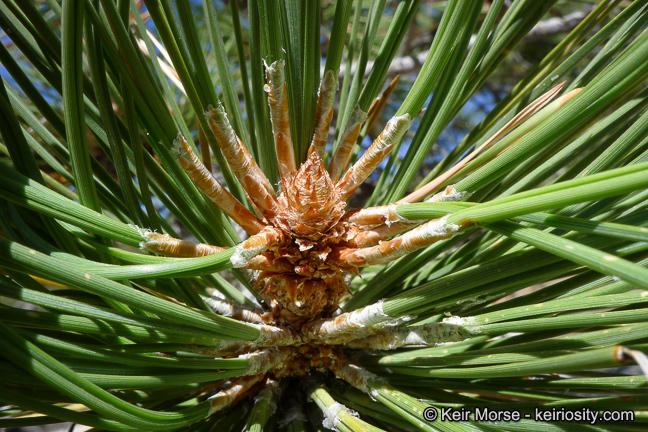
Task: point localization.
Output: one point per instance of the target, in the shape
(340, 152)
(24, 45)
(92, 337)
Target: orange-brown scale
(303, 298)
(307, 285)
(298, 281)
(306, 358)
(310, 206)
(266, 262)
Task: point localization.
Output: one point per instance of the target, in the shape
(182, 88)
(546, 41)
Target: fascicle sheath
(255, 245)
(277, 336)
(265, 359)
(267, 262)
(449, 194)
(213, 189)
(347, 323)
(390, 338)
(373, 236)
(331, 418)
(270, 393)
(358, 377)
(372, 216)
(173, 247)
(278, 102)
(232, 393)
(225, 348)
(379, 103)
(342, 154)
(417, 238)
(388, 138)
(332, 415)
(384, 222)
(239, 312)
(324, 111)
(241, 162)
